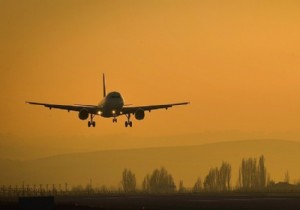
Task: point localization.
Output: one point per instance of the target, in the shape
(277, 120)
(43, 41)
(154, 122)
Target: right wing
(132, 109)
(90, 108)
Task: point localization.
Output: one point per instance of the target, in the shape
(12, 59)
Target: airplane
(112, 105)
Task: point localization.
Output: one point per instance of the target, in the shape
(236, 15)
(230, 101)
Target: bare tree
(253, 176)
(262, 172)
(211, 180)
(160, 181)
(181, 187)
(146, 184)
(128, 181)
(224, 176)
(218, 179)
(197, 186)
(287, 177)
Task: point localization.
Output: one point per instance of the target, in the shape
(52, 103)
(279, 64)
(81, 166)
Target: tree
(145, 184)
(160, 181)
(253, 176)
(218, 179)
(211, 180)
(287, 177)
(128, 181)
(197, 186)
(181, 187)
(262, 172)
(247, 174)
(224, 176)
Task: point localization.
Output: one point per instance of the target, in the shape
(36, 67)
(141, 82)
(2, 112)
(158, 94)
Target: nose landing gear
(115, 117)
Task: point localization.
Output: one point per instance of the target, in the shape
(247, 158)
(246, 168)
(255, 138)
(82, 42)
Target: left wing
(90, 108)
(132, 109)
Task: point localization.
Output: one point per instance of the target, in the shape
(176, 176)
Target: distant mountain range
(185, 163)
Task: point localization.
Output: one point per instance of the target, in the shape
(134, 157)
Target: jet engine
(83, 114)
(139, 114)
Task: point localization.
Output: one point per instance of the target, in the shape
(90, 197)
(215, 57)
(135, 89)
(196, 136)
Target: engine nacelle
(83, 114)
(139, 114)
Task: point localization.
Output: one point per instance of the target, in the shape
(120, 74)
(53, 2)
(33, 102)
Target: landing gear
(128, 122)
(91, 122)
(115, 118)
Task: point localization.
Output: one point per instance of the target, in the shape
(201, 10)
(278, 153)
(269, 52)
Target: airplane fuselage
(111, 105)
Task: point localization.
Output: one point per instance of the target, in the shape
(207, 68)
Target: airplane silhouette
(112, 105)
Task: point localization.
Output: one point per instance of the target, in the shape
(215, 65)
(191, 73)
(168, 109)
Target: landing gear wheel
(115, 120)
(128, 122)
(91, 122)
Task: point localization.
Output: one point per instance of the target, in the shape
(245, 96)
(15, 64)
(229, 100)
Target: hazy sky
(238, 62)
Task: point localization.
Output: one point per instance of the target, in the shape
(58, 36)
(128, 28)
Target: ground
(164, 202)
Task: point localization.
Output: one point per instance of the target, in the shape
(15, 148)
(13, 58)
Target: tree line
(252, 176)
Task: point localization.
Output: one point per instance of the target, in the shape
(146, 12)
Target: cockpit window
(114, 95)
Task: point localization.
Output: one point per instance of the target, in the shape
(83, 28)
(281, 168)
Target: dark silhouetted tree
(224, 177)
(145, 184)
(218, 179)
(247, 173)
(197, 186)
(211, 180)
(160, 181)
(128, 181)
(262, 173)
(181, 187)
(252, 176)
(287, 177)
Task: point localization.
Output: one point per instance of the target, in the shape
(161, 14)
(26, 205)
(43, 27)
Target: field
(164, 202)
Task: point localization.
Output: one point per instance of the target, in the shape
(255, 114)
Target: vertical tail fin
(104, 86)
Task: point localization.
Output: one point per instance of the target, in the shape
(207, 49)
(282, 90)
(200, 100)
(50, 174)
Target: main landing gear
(128, 122)
(91, 122)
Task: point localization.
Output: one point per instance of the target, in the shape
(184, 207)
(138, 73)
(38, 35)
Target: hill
(185, 163)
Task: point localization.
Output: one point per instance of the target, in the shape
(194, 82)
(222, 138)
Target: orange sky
(236, 61)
